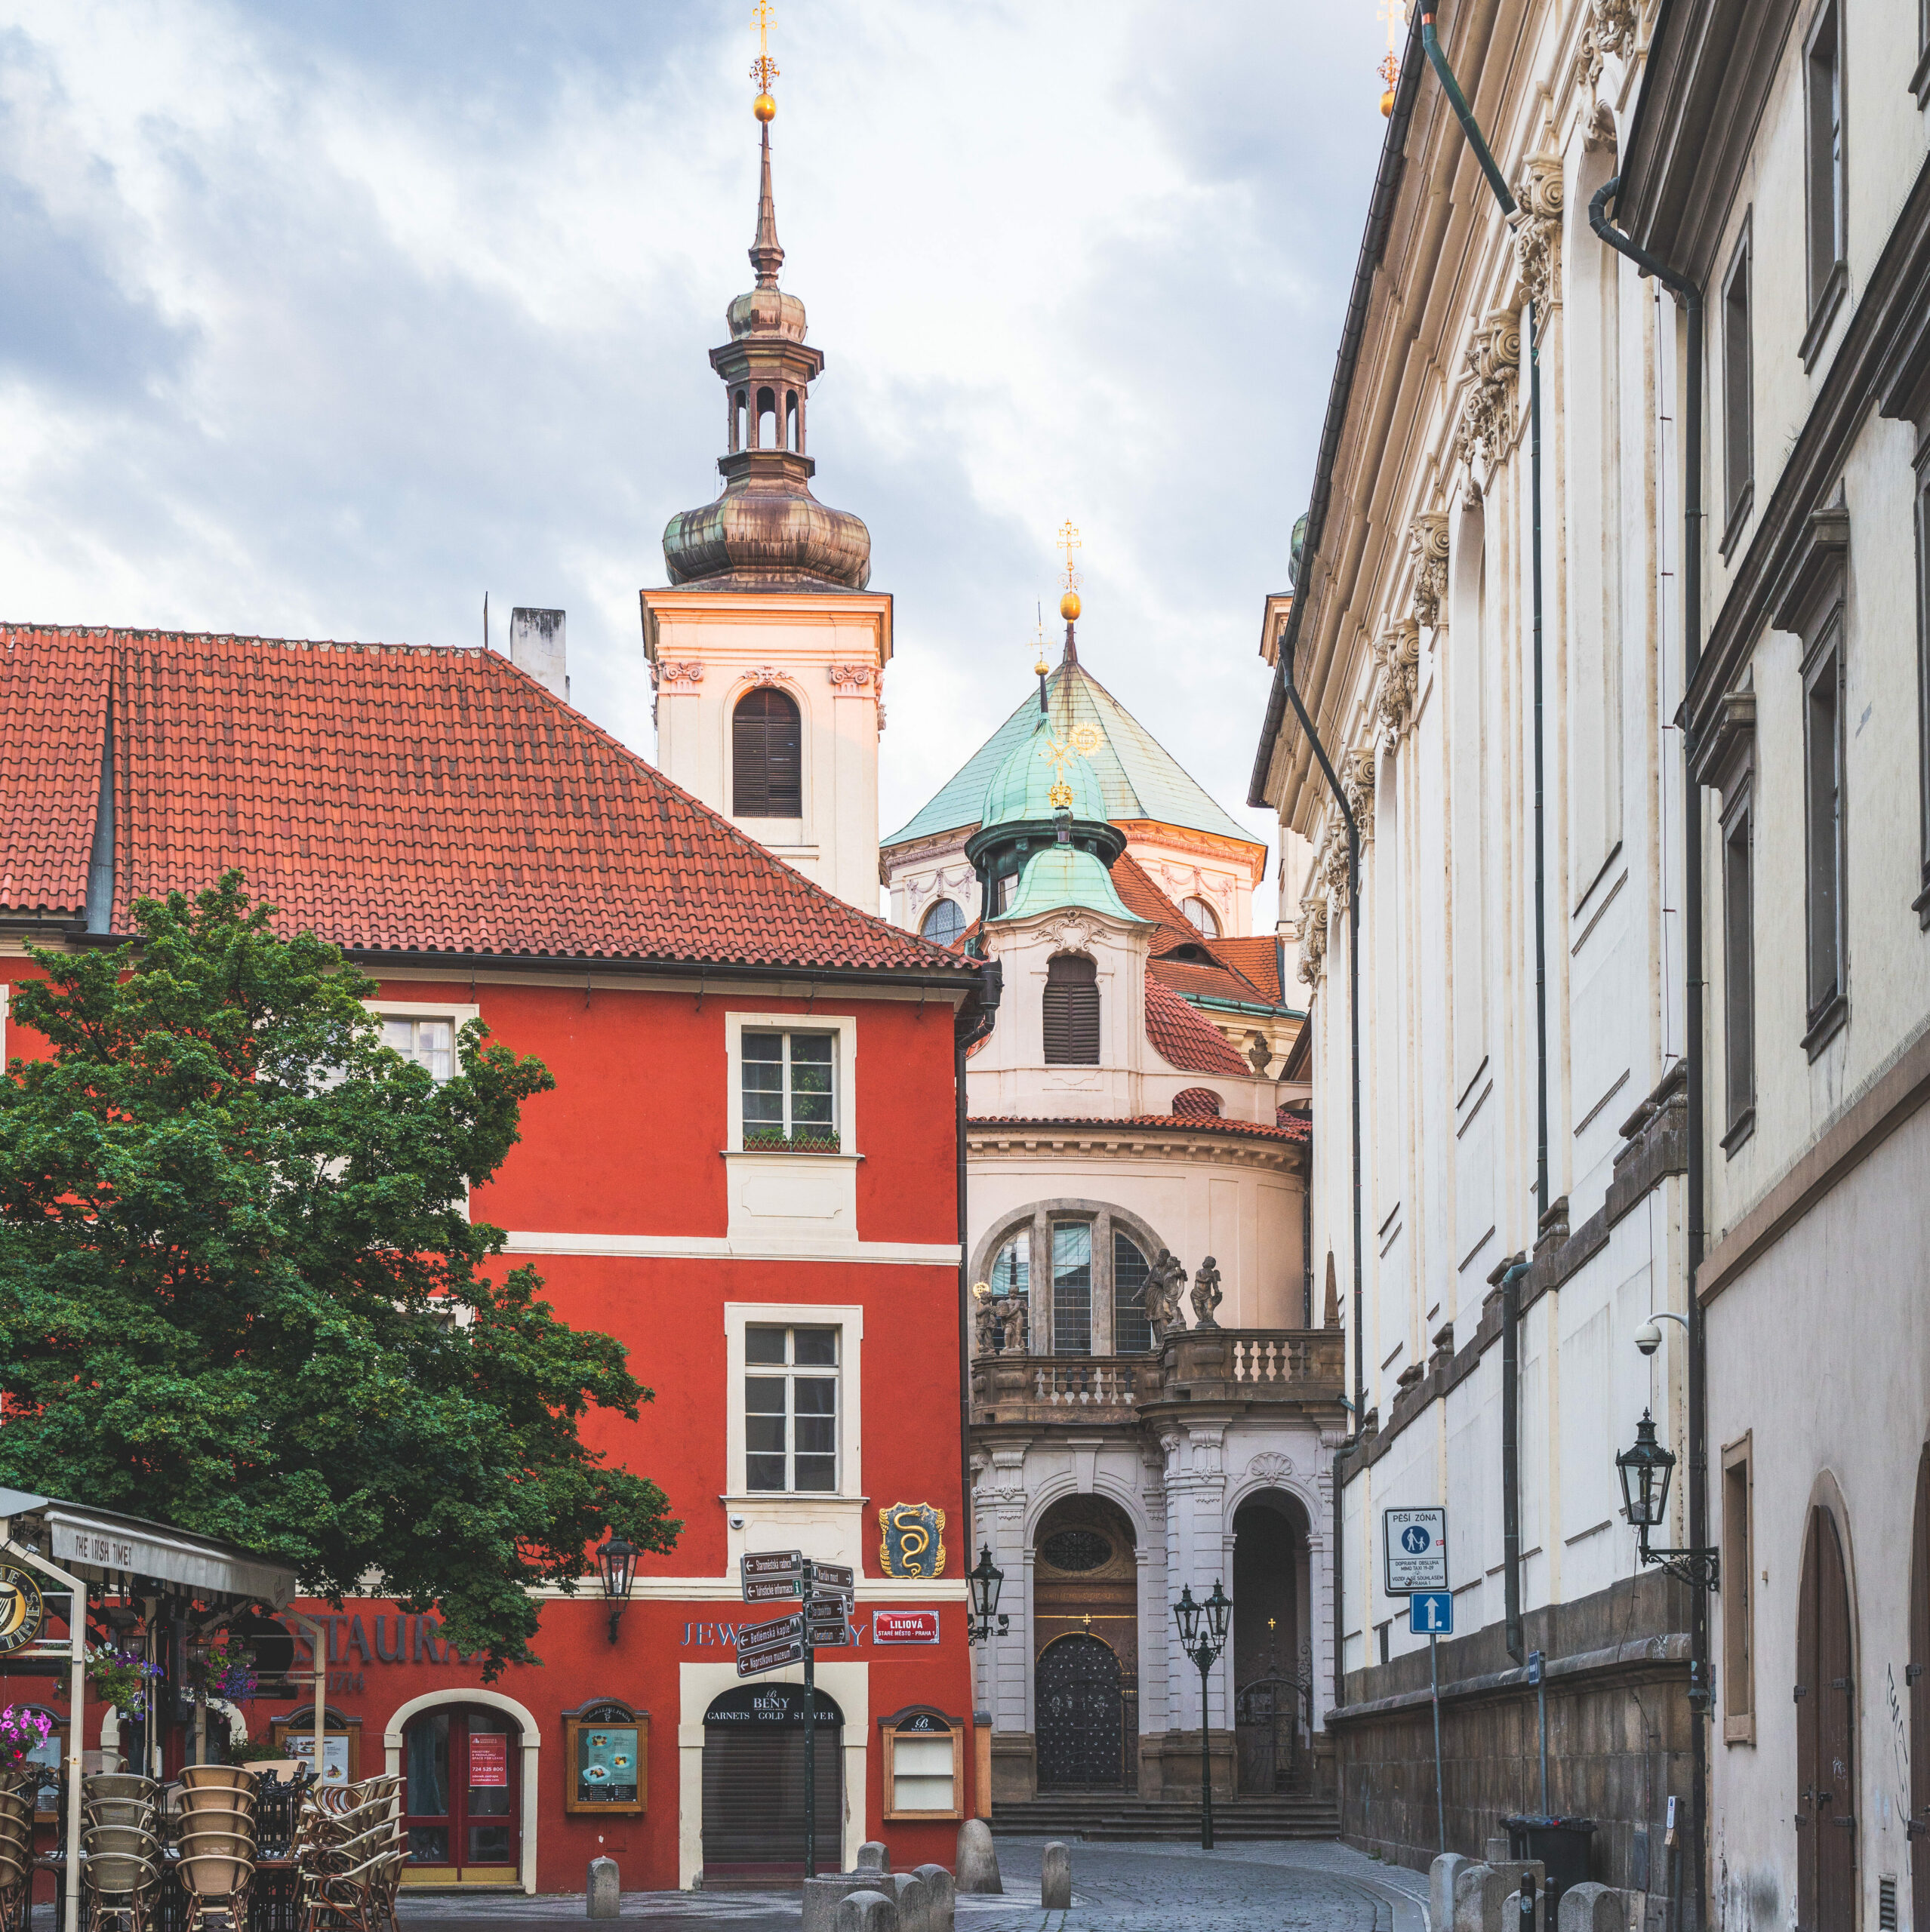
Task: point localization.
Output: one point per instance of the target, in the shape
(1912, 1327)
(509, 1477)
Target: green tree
(240, 1290)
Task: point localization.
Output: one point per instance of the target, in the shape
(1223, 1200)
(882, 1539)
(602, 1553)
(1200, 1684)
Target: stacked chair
(17, 1795)
(214, 1839)
(349, 1854)
(121, 1837)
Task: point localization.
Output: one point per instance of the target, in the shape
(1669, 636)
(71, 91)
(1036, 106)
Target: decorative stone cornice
(1427, 544)
(1494, 358)
(1539, 194)
(673, 673)
(1398, 655)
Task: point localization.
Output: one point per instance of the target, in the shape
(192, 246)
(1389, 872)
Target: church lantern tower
(767, 649)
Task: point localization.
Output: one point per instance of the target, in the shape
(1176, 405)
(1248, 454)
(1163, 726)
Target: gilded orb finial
(1069, 542)
(763, 69)
(1389, 69)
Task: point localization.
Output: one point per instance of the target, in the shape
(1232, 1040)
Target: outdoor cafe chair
(190, 1798)
(16, 1888)
(216, 1882)
(120, 1784)
(131, 1812)
(121, 1875)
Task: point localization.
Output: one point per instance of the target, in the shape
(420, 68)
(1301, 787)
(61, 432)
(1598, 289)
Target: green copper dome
(1062, 875)
(1021, 788)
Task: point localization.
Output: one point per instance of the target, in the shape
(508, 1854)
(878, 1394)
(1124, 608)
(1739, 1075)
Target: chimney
(536, 645)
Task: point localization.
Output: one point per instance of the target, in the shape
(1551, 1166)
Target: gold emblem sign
(914, 1541)
(21, 1612)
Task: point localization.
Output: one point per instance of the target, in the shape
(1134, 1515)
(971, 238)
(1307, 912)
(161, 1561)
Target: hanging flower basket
(228, 1673)
(22, 1733)
(120, 1679)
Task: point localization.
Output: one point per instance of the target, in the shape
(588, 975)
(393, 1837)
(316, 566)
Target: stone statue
(990, 1330)
(1206, 1296)
(1165, 1283)
(1015, 1324)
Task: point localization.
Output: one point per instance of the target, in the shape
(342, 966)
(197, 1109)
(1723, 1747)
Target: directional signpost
(1415, 1545)
(825, 1593)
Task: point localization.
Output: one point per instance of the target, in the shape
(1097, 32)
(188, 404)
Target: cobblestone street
(1277, 1888)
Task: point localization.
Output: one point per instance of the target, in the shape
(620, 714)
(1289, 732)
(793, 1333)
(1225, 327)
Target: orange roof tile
(1184, 1040)
(1257, 959)
(393, 798)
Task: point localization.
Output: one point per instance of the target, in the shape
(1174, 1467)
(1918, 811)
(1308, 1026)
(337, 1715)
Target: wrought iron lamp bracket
(1700, 1569)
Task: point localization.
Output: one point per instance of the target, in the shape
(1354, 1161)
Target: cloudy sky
(321, 318)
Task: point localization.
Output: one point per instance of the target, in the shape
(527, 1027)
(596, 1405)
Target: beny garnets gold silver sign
(22, 1611)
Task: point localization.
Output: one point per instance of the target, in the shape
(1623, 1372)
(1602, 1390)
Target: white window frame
(791, 1373)
(458, 1015)
(739, 1316)
(842, 1026)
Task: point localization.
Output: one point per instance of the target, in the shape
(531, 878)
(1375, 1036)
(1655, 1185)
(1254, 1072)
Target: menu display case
(606, 1753)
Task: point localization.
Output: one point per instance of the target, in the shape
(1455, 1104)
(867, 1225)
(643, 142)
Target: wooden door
(1917, 1673)
(461, 1789)
(1079, 1711)
(1826, 1757)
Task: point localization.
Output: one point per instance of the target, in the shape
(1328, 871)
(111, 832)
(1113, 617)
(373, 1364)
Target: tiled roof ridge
(1171, 919)
(11, 632)
(1180, 1123)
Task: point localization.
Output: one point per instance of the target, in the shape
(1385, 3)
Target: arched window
(943, 923)
(1132, 1334)
(737, 425)
(1011, 1268)
(767, 761)
(1197, 1103)
(1201, 916)
(766, 419)
(1072, 1011)
(791, 419)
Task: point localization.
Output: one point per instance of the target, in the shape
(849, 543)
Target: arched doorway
(1825, 1736)
(462, 1773)
(753, 1783)
(1272, 1660)
(1086, 1667)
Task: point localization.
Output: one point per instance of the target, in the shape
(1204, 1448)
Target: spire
(1069, 542)
(767, 252)
(1040, 670)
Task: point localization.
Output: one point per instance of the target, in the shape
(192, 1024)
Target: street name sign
(834, 1577)
(904, 1626)
(771, 1589)
(1431, 1613)
(832, 1635)
(779, 1630)
(771, 1563)
(751, 1663)
(1414, 1546)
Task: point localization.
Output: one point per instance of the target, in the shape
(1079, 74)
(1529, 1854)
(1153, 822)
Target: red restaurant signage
(904, 1626)
(488, 1760)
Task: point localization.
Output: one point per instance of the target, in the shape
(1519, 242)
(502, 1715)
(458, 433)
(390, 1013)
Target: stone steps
(1121, 1818)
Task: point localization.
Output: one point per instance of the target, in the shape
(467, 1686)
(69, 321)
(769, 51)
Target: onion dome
(1062, 875)
(767, 531)
(1043, 775)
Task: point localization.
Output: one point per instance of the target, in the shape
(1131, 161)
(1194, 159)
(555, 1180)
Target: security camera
(737, 1522)
(1648, 1337)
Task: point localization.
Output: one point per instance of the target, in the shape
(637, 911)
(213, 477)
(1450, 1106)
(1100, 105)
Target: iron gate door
(1267, 1721)
(1080, 1713)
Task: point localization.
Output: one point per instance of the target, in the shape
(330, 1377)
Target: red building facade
(487, 853)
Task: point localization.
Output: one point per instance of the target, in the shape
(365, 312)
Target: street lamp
(1203, 1636)
(1645, 1471)
(617, 1560)
(985, 1581)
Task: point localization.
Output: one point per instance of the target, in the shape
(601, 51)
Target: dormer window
(766, 760)
(1072, 1011)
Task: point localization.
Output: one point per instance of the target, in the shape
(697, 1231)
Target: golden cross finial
(1270, 1624)
(1069, 542)
(763, 69)
(1039, 669)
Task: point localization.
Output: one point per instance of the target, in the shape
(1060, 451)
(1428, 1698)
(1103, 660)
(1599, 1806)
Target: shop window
(1072, 1011)
(790, 1092)
(1071, 1288)
(1738, 1684)
(791, 1408)
(1132, 1334)
(766, 756)
(924, 1763)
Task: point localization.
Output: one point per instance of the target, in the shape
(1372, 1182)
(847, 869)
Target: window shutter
(767, 761)
(1072, 1012)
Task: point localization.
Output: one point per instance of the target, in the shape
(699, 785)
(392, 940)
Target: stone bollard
(1055, 1878)
(866, 1911)
(872, 1856)
(977, 1868)
(1486, 1896)
(823, 1896)
(603, 1896)
(939, 1892)
(1592, 1907)
(913, 1900)
(1441, 1890)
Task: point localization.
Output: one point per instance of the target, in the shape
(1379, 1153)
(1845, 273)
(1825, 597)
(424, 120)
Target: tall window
(1011, 1267)
(1823, 805)
(790, 1091)
(1072, 1011)
(429, 1043)
(1823, 82)
(791, 1408)
(1132, 1334)
(1071, 1288)
(1738, 971)
(1738, 435)
(1738, 1687)
(766, 759)
(943, 923)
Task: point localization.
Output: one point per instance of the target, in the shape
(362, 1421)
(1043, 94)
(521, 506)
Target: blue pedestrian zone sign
(1431, 1613)
(1414, 1543)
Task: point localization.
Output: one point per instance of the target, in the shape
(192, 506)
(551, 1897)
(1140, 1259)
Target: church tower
(767, 650)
